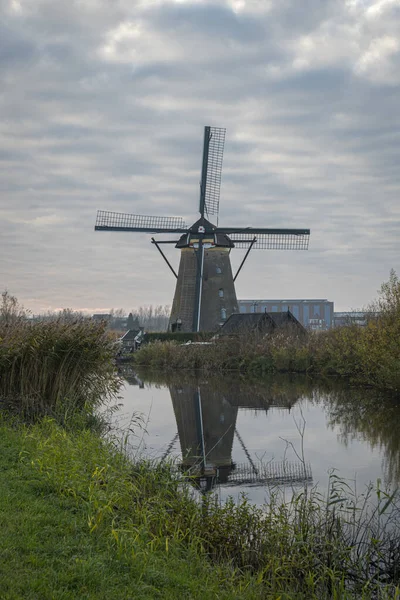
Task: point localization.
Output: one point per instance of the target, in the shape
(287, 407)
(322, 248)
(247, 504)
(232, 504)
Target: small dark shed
(131, 340)
(262, 323)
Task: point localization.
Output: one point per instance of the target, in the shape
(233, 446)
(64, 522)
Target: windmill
(205, 289)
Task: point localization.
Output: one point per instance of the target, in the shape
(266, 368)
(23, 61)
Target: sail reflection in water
(206, 419)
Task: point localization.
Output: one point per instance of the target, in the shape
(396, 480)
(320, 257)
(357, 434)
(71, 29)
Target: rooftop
(246, 323)
(263, 300)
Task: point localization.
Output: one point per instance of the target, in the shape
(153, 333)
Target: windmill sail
(213, 151)
(268, 239)
(112, 221)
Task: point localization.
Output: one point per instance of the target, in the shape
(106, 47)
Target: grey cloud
(312, 146)
(14, 48)
(211, 20)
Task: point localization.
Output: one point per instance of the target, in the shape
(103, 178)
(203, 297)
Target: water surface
(245, 437)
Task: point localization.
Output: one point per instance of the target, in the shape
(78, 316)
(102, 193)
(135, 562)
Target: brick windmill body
(218, 296)
(205, 293)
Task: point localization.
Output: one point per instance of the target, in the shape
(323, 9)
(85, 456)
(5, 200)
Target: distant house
(102, 317)
(131, 340)
(119, 323)
(261, 323)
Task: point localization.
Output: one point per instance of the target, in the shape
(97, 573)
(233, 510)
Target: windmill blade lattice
(273, 473)
(280, 473)
(112, 221)
(214, 169)
(271, 241)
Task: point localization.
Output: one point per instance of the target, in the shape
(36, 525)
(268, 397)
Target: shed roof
(262, 322)
(130, 335)
(283, 318)
(245, 323)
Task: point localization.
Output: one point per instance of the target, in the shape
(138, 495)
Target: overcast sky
(103, 105)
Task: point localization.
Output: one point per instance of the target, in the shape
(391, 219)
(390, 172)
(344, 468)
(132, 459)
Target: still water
(246, 437)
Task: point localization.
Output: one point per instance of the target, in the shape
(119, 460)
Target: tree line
(150, 317)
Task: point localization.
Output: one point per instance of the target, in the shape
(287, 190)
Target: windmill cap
(206, 229)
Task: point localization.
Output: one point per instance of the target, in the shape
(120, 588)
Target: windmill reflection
(206, 420)
(206, 417)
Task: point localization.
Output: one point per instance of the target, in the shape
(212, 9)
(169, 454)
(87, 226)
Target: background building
(341, 319)
(314, 314)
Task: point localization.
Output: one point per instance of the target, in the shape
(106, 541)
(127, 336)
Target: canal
(249, 437)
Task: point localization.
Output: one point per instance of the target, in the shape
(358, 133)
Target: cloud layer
(103, 106)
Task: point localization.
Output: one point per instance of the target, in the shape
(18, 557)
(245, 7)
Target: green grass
(48, 552)
(80, 520)
(178, 336)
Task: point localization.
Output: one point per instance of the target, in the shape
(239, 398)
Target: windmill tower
(205, 289)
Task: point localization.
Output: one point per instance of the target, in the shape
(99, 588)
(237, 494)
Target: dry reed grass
(55, 368)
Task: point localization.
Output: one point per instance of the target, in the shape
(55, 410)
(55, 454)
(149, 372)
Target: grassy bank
(79, 520)
(367, 355)
(67, 534)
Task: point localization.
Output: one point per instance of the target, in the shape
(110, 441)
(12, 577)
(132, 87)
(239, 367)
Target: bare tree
(68, 315)
(11, 310)
(153, 318)
(117, 313)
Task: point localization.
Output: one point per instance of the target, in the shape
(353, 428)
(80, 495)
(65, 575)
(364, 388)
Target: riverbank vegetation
(92, 524)
(367, 355)
(57, 368)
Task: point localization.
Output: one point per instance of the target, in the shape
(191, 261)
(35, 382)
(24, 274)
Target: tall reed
(55, 368)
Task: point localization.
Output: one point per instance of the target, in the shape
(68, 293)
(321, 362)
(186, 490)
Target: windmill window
(219, 270)
(221, 293)
(223, 314)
